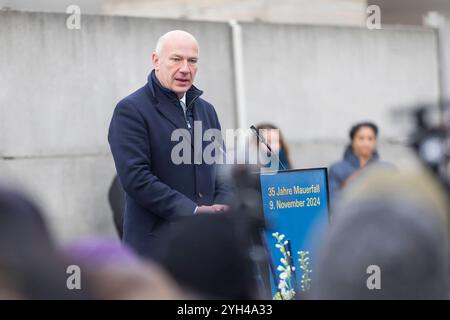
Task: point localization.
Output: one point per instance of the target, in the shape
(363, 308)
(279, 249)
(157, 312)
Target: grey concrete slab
(315, 82)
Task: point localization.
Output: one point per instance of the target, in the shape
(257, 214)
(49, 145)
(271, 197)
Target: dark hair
(360, 125)
(206, 254)
(29, 258)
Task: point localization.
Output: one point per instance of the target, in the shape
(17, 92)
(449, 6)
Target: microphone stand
(261, 138)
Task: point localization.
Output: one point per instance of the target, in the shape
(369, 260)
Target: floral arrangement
(304, 266)
(286, 289)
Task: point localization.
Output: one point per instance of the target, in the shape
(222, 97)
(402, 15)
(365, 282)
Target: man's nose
(184, 66)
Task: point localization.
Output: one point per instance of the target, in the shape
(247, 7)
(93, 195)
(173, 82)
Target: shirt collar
(183, 99)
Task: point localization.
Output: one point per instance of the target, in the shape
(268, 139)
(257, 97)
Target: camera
(431, 139)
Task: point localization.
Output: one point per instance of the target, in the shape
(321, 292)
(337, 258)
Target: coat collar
(168, 105)
(159, 92)
(351, 158)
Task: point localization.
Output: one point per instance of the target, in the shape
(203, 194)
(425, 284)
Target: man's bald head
(174, 36)
(175, 60)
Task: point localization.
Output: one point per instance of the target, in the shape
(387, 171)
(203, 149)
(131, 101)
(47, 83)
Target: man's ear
(155, 61)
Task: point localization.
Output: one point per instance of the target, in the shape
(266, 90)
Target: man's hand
(220, 207)
(215, 208)
(204, 209)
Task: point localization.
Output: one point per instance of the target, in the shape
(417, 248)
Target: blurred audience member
(30, 264)
(207, 255)
(395, 223)
(275, 140)
(115, 272)
(360, 153)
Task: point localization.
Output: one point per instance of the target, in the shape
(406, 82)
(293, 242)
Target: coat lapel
(169, 110)
(174, 116)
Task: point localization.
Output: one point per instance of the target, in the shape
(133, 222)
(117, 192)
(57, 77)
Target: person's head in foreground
(208, 256)
(388, 241)
(175, 61)
(31, 266)
(115, 272)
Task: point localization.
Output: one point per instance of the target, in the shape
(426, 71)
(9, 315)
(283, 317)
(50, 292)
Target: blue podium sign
(295, 205)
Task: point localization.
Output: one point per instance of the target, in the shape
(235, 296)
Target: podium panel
(296, 209)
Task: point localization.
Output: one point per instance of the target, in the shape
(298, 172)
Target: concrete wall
(329, 12)
(315, 82)
(446, 58)
(58, 88)
(87, 6)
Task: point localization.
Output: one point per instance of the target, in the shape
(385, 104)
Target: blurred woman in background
(275, 140)
(360, 153)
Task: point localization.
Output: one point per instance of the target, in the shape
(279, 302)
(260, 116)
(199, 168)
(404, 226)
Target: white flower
(282, 285)
(278, 246)
(285, 243)
(281, 237)
(288, 272)
(275, 234)
(293, 268)
(283, 276)
(288, 295)
(280, 268)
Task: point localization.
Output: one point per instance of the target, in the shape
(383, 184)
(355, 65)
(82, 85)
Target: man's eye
(193, 61)
(176, 59)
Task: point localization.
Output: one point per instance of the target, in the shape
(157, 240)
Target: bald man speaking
(158, 190)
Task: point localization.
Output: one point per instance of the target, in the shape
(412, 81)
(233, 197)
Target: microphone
(261, 138)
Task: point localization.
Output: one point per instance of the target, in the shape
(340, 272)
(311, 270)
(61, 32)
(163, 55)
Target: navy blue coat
(340, 171)
(158, 192)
